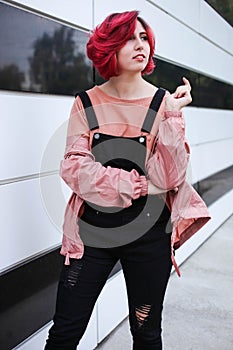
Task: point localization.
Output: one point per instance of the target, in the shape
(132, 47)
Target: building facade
(43, 64)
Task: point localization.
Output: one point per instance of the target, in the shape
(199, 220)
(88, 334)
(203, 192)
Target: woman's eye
(143, 37)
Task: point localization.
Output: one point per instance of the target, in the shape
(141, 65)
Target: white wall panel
(207, 159)
(104, 8)
(214, 27)
(54, 195)
(26, 227)
(77, 12)
(215, 62)
(29, 124)
(175, 41)
(207, 124)
(210, 135)
(178, 43)
(181, 10)
(204, 19)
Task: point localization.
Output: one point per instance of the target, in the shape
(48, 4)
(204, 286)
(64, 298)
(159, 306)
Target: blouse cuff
(141, 188)
(169, 114)
(144, 184)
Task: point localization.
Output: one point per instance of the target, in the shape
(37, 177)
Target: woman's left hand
(180, 98)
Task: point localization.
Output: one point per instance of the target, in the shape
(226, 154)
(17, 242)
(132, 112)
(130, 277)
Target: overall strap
(89, 110)
(153, 109)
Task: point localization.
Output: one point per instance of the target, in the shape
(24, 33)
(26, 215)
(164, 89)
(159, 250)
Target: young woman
(125, 161)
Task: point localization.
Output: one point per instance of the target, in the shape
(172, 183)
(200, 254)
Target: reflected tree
(57, 66)
(11, 78)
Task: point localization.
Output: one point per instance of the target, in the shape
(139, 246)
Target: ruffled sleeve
(167, 166)
(90, 180)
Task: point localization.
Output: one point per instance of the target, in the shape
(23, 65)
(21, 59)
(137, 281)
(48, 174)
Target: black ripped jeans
(146, 266)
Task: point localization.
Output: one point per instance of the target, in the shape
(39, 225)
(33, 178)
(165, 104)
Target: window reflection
(55, 67)
(40, 55)
(206, 92)
(11, 78)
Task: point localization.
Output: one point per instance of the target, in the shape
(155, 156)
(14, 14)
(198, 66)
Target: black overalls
(135, 236)
(107, 227)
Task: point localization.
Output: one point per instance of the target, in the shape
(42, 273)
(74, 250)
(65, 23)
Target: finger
(181, 91)
(187, 83)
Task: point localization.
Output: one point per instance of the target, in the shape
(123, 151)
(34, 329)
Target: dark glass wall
(41, 55)
(215, 186)
(206, 92)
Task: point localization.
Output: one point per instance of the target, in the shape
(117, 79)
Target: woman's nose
(139, 44)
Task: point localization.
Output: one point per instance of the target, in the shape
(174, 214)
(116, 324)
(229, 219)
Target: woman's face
(134, 55)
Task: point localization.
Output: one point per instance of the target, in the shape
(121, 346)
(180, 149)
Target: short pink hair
(110, 36)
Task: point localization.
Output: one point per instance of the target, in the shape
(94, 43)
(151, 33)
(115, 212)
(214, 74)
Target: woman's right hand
(180, 98)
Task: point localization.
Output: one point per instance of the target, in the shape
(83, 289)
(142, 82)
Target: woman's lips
(139, 57)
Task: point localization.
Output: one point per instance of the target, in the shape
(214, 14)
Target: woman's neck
(128, 87)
